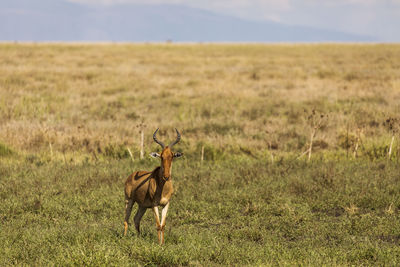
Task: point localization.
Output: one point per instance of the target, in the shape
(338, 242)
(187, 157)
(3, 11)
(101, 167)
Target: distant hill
(57, 20)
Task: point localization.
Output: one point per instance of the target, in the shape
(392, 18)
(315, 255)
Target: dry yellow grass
(81, 97)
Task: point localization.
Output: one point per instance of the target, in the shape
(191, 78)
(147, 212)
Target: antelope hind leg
(128, 210)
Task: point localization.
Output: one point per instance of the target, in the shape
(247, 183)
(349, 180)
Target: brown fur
(150, 190)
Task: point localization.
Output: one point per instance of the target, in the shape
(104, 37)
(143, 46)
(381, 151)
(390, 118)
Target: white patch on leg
(156, 215)
(164, 214)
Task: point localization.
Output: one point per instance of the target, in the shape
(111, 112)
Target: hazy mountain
(57, 20)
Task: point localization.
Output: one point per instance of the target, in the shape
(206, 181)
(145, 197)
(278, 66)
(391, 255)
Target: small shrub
(38, 140)
(255, 76)
(293, 115)
(31, 158)
(351, 76)
(346, 140)
(211, 152)
(116, 151)
(320, 144)
(15, 80)
(253, 113)
(115, 90)
(322, 74)
(193, 83)
(132, 115)
(206, 113)
(375, 151)
(118, 104)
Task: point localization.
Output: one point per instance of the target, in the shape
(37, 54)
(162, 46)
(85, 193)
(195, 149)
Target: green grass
(237, 212)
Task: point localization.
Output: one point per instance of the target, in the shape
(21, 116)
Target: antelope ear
(154, 155)
(178, 155)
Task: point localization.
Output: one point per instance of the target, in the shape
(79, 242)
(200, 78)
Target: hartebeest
(152, 189)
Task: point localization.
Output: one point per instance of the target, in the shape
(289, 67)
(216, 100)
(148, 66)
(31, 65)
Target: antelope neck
(161, 175)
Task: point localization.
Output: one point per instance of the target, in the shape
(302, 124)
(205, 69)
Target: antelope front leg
(163, 219)
(158, 225)
(139, 214)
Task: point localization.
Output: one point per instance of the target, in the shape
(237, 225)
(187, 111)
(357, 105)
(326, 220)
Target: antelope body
(151, 189)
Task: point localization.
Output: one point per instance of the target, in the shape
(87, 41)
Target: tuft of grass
(5, 150)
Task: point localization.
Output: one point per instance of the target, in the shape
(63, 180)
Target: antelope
(152, 189)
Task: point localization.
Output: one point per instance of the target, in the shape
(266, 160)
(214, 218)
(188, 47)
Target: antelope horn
(178, 138)
(155, 139)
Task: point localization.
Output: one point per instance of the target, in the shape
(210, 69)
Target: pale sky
(379, 18)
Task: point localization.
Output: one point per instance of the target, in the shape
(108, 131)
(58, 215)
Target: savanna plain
(291, 153)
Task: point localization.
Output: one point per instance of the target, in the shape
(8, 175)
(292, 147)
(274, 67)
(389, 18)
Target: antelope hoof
(160, 234)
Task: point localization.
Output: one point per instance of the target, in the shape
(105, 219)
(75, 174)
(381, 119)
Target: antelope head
(166, 155)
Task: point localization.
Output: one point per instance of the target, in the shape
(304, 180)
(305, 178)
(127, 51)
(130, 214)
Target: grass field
(70, 112)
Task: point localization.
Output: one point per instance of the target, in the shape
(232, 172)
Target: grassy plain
(69, 113)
